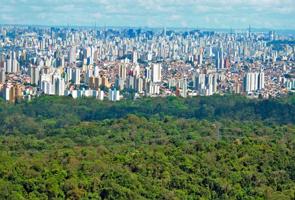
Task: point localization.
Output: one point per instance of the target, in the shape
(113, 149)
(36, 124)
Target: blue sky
(274, 14)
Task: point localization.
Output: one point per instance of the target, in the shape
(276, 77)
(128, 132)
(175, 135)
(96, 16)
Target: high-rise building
(96, 71)
(139, 85)
(59, 86)
(153, 89)
(119, 83)
(205, 84)
(18, 92)
(253, 81)
(131, 82)
(14, 63)
(199, 81)
(219, 59)
(8, 64)
(249, 82)
(100, 95)
(134, 57)
(271, 35)
(72, 55)
(148, 73)
(261, 81)
(200, 57)
(35, 74)
(114, 95)
(68, 74)
(183, 88)
(122, 72)
(12, 96)
(149, 56)
(156, 73)
(2, 75)
(12, 92)
(105, 81)
(88, 55)
(76, 76)
(89, 73)
(6, 94)
(211, 82)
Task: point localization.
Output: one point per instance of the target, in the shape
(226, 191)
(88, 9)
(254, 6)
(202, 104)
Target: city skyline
(110, 64)
(237, 14)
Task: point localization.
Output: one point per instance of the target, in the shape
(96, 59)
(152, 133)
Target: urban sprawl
(117, 63)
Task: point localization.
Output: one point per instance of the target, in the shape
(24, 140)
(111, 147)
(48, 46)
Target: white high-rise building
(114, 95)
(139, 85)
(134, 57)
(149, 56)
(59, 86)
(46, 87)
(69, 73)
(261, 81)
(254, 81)
(219, 59)
(14, 65)
(199, 81)
(8, 65)
(249, 82)
(76, 76)
(200, 58)
(153, 89)
(96, 71)
(148, 73)
(72, 55)
(205, 84)
(7, 93)
(156, 73)
(100, 95)
(211, 80)
(184, 88)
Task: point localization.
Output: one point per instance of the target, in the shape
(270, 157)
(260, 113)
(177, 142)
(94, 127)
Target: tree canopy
(220, 147)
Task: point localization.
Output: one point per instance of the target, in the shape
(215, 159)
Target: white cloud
(201, 13)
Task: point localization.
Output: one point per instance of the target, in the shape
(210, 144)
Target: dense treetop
(219, 147)
(66, 111)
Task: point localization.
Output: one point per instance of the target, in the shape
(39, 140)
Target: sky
(271, 14)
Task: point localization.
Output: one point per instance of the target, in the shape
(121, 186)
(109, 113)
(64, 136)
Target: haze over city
(271, 14)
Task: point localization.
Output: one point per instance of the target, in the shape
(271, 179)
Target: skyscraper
(114, 95)
(8, 64)
(134, 57)
(76, 76)
(122, 72)
(183, 88)
(59, 86)
(219, 58)
(253, 81)
(148, 73)
(2, 75)
(261, 81)
(72, 55)
(35, 74)
(156, 73)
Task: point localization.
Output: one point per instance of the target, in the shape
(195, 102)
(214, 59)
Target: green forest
(217, 147)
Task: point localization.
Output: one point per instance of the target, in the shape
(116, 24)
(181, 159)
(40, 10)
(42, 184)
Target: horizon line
(145, 26)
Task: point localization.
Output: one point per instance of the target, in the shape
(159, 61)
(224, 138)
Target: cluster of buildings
(119, 63)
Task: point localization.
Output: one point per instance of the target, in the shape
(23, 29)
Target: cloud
(169, 13)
